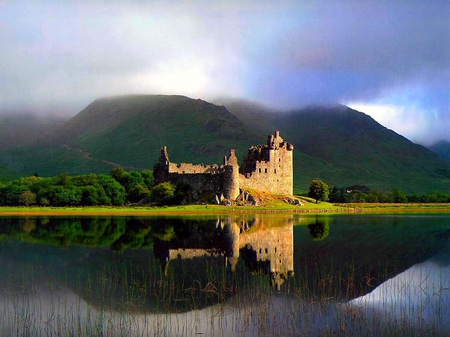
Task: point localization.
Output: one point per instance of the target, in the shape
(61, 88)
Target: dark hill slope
(340, 145)
(6, 174)
(130, 131)
(442, 149)
(354, 148)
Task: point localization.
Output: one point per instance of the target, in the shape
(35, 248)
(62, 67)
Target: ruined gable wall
(274, 175)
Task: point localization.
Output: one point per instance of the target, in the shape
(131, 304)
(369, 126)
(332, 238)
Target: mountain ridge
(340, 145)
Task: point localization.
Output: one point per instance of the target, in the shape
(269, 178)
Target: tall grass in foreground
(130, 300)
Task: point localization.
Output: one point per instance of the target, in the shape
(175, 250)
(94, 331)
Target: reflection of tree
(198, 250)
(118, 233)
(319, 230)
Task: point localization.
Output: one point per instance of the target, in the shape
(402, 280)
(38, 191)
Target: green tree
(337, 194)
(398, 196)
(63, 180)
(148, 178)
(89, 196)
(355, 196)
(28, 198)
(11, 193)
(163, 194)
(138, 192)
(113, 190)
(318, 190)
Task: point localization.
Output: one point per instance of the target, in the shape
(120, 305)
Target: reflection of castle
(266, 168)
(265, 246)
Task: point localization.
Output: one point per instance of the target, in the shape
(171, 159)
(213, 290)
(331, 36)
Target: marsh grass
(255, 309)
(107, 296)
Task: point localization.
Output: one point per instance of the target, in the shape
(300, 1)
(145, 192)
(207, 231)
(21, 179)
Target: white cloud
(409, 121)
(385, 54)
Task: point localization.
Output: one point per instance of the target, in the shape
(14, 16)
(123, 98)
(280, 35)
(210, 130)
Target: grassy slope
(366, 152)
(130, 131)
(51, 160)
(193, 130)
(337, 144)
(345, 147)
(6, 174)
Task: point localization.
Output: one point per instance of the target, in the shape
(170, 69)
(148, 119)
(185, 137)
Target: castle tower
(269, 167)
(281, 162)
(161, 170)
(231, 176)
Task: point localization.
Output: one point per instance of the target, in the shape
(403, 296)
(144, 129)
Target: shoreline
(214, 209)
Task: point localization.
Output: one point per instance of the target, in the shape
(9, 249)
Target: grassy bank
(308, 207)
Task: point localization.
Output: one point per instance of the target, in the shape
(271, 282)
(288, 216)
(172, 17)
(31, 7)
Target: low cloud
(62, 55)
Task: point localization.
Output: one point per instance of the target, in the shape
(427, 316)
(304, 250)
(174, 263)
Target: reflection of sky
(420, 295)
(61, 55)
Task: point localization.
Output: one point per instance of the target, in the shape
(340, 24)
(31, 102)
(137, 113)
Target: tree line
(121, 187)
(117, 188)
(320, 191)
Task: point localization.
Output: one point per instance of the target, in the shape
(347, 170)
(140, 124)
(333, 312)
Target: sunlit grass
(309, 206)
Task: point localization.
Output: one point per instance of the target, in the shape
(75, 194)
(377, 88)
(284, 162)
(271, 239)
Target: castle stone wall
(200, 183)
(266, 168)
(188, 168)
(269, 168)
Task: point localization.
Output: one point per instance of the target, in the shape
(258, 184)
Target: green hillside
(130, 131)
(353, 148)
(365, 152)
(342, 146)
(6, 174)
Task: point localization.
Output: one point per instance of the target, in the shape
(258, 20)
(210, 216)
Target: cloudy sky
(389, 59)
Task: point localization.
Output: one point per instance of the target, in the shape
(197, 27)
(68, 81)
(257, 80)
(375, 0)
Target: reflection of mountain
(362, 252)
(339, 257)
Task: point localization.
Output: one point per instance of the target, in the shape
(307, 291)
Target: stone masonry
(267, 168)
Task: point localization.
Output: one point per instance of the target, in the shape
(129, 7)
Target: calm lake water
(250, 275)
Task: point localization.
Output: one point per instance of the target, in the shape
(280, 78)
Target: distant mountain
(353, 148)
(23, 129)
(129, 131)
(442, 149)
(342, 146)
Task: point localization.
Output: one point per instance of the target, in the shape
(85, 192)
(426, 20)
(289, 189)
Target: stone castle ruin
(267, 168)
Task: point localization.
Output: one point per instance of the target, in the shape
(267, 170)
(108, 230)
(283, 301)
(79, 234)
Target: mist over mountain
(442, 149)
(340, 145)
(19, 129)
